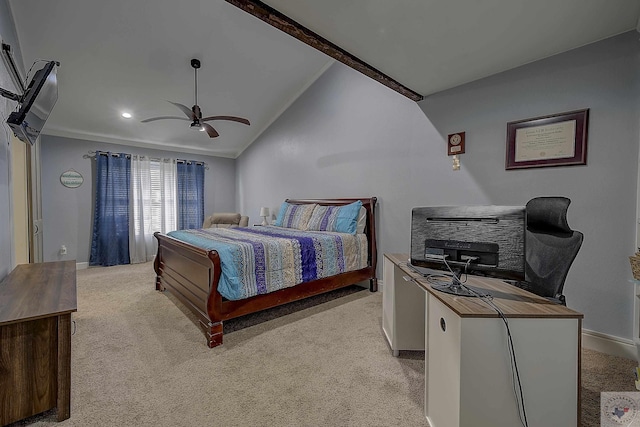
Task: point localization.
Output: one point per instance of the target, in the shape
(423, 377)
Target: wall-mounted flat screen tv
(36, 104)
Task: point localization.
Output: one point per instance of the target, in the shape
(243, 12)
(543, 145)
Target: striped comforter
(259, 260)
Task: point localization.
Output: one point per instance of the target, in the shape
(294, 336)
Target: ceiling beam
(284, 23)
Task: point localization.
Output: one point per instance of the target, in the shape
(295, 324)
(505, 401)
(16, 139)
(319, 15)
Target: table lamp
(264, 213)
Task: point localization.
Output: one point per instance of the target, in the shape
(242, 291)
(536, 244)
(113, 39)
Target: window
(154, 204)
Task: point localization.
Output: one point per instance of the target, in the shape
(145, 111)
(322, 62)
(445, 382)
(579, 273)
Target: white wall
(68, 212)
(349, 136)
(8, 35)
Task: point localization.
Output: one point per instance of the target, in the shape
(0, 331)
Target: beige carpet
(139, 359)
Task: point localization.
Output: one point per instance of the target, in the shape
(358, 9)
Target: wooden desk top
(513, 302)
(33, 291)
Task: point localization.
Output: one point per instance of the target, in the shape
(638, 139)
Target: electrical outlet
(63, 250)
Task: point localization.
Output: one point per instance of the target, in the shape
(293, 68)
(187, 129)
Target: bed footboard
(190, 274)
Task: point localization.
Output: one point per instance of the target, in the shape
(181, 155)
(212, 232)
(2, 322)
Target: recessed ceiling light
(126, 115)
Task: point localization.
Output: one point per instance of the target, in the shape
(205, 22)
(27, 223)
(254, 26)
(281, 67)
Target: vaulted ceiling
(135, 56)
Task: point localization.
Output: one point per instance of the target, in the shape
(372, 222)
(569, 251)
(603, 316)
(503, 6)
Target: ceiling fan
(194, 114)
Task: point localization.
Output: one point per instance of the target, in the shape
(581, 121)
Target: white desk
(468, 376)
(636, 316)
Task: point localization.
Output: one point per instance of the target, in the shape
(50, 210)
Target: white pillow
(362, 220)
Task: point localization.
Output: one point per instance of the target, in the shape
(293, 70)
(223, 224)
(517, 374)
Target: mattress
(259, 260)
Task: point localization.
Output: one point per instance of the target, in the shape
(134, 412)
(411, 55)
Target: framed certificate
(555, 140)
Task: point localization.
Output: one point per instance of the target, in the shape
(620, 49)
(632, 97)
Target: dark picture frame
(554, 140)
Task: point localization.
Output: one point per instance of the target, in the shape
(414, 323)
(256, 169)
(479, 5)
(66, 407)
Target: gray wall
(68, 212)
(604, 77)
(348, 136)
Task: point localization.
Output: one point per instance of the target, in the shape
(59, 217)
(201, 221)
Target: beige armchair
(225, 220)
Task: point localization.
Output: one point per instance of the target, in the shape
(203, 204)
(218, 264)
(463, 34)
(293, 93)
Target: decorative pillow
(221, 220)
(294, 216)
(342, 219)
(362, 221)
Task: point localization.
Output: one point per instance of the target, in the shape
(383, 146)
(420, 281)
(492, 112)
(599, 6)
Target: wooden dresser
(36, 302)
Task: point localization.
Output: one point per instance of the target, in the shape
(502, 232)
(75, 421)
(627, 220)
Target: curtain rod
(92, 154)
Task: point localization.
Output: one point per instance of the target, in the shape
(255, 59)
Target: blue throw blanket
(259, 260)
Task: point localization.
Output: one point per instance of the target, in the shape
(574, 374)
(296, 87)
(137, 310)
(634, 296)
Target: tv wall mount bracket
(10, 95)
(13, 69)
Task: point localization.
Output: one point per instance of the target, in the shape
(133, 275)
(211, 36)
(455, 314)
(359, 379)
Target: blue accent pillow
(294, 216)
(341, 219)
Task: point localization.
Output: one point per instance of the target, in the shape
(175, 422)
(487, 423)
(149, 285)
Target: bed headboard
(369, 203)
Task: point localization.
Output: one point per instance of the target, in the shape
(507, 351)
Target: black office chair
(551, 246)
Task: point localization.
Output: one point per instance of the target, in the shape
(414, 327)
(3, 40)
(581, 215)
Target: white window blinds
(154, 205)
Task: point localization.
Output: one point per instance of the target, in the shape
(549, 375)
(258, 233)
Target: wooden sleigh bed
(191, 274)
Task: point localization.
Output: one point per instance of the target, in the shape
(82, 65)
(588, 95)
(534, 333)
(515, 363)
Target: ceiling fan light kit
(194, 114)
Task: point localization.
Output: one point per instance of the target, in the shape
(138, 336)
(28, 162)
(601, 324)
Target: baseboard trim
(609, 344)
(82, 265)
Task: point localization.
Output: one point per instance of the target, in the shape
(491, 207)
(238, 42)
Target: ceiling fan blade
(210, 130)
(153, 119)
(230, 118)
(186, 110)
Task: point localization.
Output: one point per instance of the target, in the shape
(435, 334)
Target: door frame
(25, 189)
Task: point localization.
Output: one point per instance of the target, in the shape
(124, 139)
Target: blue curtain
(110, 242)
(190, 195)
